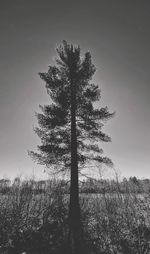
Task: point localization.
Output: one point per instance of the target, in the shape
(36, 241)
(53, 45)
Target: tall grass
(34, 223)
(30, 222)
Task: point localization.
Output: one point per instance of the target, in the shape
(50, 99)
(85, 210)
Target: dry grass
(37, 223)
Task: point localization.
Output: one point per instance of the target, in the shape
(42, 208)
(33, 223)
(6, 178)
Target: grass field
(37, 223)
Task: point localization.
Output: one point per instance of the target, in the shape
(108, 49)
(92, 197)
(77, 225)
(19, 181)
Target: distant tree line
(133, 184)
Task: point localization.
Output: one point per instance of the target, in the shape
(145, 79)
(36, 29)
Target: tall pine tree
(70, 127)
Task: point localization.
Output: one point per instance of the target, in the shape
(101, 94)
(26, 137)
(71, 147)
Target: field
(37, 223)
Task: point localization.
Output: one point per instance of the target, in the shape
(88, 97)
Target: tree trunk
(75, 225)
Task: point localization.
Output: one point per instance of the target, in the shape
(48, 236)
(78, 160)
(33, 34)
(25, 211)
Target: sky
(118, 36)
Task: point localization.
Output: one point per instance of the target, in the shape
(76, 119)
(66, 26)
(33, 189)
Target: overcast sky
(118, 36)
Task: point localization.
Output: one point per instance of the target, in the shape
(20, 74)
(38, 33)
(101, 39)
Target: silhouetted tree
(70, 127)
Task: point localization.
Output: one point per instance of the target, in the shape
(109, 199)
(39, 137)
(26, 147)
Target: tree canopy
(55, 119)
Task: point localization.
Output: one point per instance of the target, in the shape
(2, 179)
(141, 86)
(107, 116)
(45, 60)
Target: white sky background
(117, 35)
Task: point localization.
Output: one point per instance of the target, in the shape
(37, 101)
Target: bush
(32, 223)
